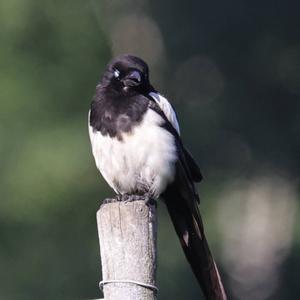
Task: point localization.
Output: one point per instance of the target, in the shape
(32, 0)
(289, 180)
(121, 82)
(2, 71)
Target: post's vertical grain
(127, 235)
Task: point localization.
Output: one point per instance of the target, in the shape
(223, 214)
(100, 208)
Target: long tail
(188, 225)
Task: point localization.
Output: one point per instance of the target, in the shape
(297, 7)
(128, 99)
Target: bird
(137, 147)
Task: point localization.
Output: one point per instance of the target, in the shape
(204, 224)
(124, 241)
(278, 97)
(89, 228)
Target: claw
(149, 200)
(130, 198)
(119, 197)
(109, 200)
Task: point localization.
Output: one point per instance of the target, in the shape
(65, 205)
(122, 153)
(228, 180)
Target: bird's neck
(114, 113)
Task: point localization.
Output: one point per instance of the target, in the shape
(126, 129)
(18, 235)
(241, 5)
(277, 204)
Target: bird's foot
(149, 200)
(146, 198)
(110, 200)
(130, 198)
(117, 198)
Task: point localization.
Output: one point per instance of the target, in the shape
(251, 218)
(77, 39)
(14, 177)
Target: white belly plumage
(143, 161)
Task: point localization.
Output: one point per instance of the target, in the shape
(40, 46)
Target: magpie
(136, 143)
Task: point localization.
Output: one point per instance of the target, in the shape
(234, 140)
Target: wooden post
(127, 236)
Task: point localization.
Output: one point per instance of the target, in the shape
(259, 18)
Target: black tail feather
(188, 225)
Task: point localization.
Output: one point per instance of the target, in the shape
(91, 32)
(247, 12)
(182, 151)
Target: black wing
(194, 168)
(188, 160)
(181, 199)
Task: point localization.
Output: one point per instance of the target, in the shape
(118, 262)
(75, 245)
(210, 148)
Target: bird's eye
(116, 73)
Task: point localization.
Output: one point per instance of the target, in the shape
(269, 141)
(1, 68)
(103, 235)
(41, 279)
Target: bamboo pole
(127, 236)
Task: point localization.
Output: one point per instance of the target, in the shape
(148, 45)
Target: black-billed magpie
(137, 147)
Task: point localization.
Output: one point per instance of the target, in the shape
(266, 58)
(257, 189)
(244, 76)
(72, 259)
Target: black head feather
(127, 74)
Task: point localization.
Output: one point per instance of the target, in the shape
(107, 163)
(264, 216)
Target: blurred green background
(232, 70)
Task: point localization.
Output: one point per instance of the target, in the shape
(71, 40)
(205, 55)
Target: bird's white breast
(144, 160)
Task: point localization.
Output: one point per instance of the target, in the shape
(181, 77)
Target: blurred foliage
(232, 69)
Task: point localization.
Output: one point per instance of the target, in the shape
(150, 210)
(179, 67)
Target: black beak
(134, 78)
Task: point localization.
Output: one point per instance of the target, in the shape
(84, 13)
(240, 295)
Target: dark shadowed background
(232, 70)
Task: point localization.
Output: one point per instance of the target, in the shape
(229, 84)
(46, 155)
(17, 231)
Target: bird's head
(127, 73)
